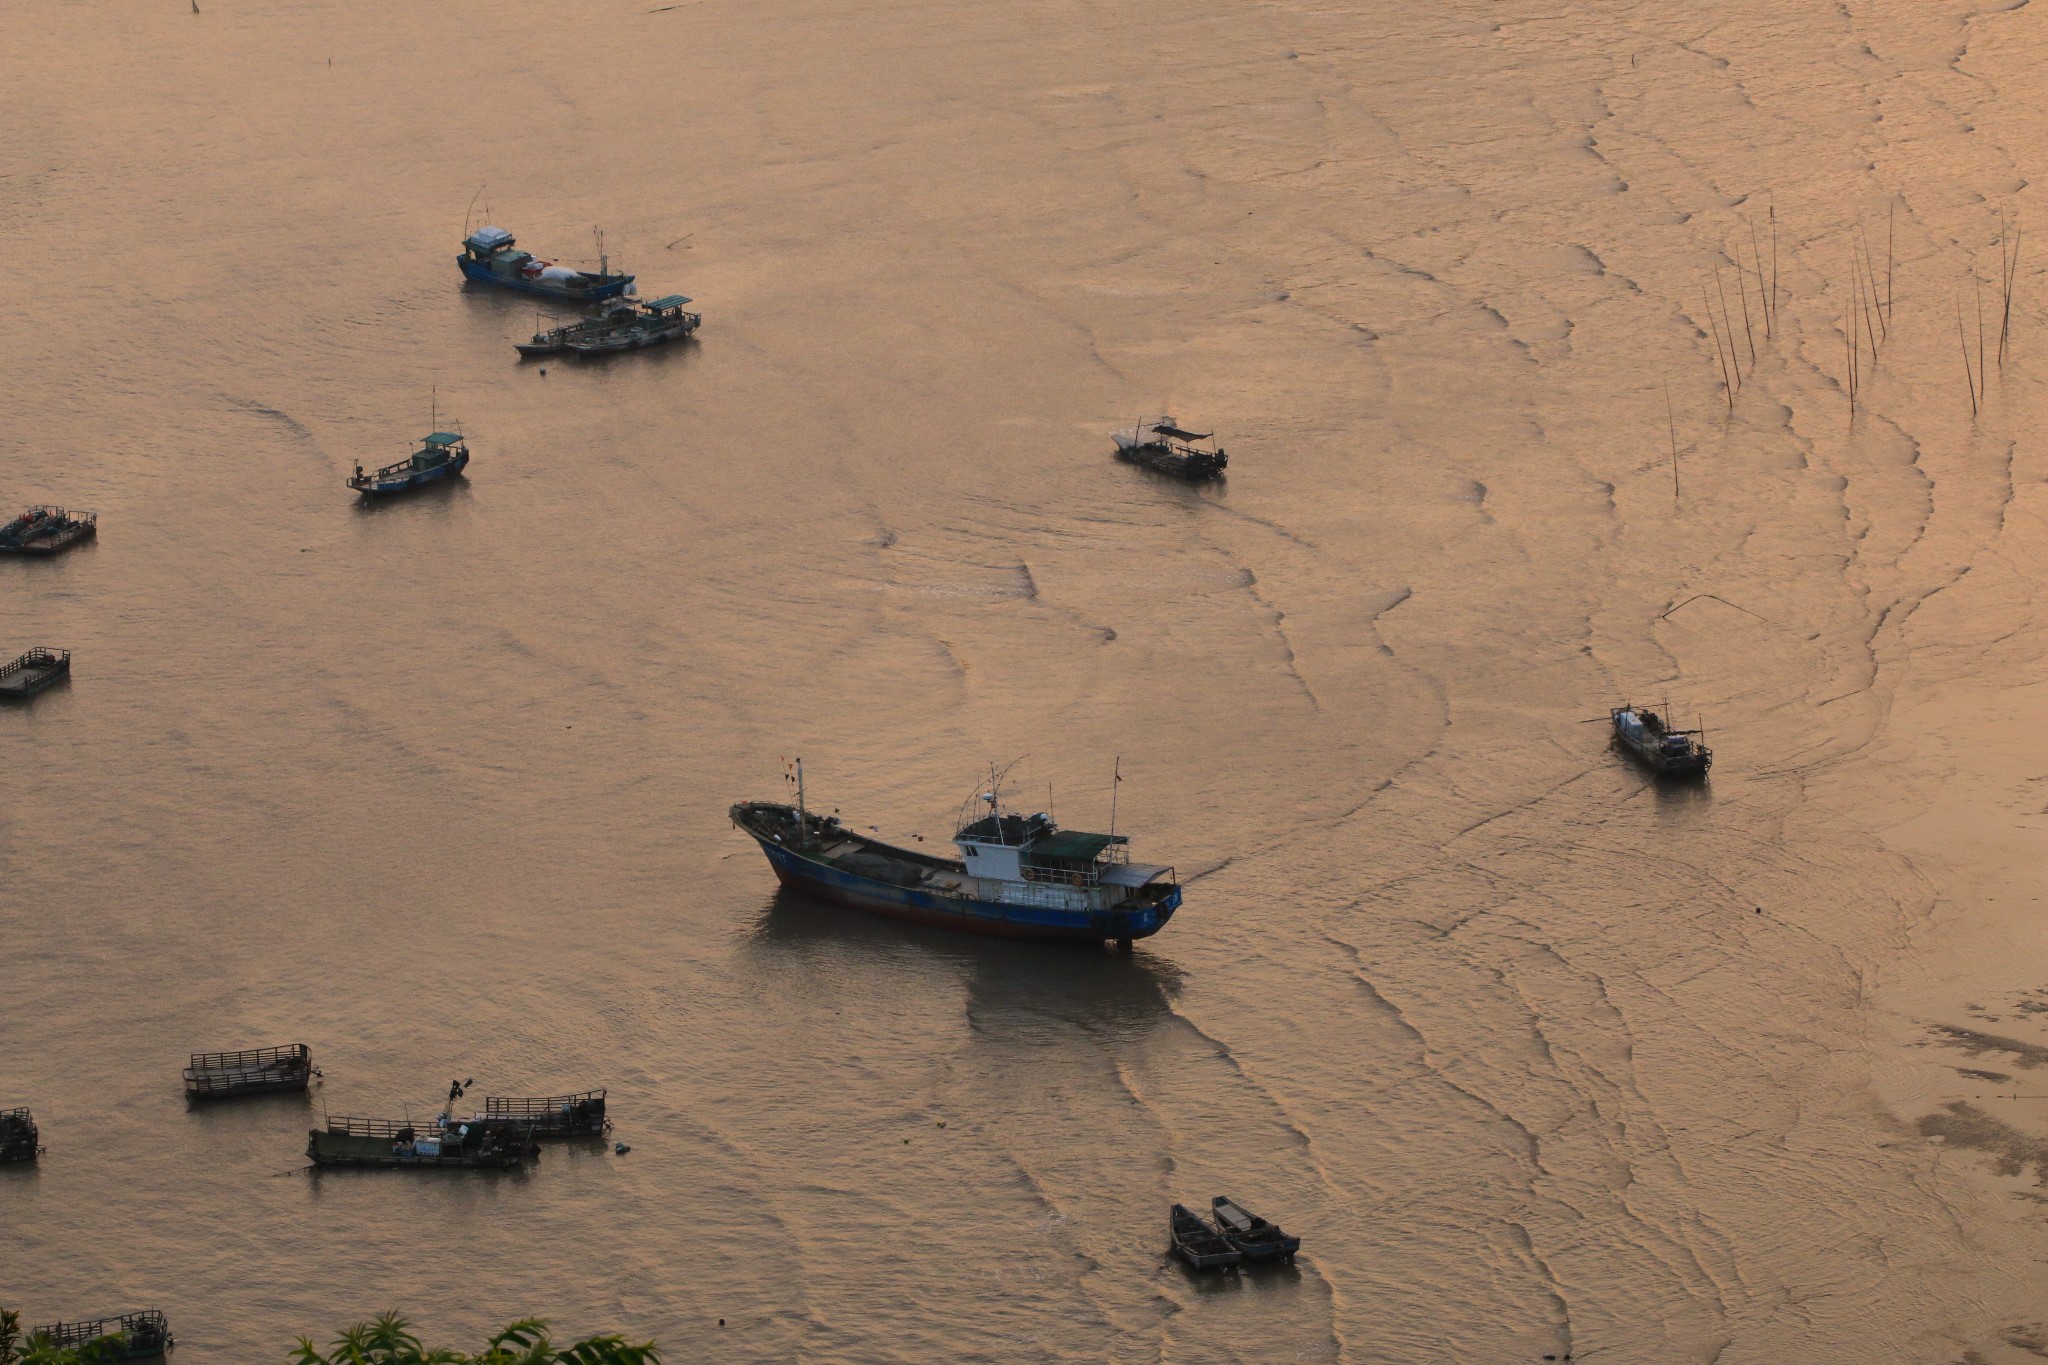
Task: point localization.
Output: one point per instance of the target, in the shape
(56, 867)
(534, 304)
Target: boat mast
(803, 822)
(1115, 781)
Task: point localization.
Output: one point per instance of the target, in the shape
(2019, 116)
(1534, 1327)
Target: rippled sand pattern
(1538, 1058)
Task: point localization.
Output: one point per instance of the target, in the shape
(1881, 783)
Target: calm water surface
(1536, 1056)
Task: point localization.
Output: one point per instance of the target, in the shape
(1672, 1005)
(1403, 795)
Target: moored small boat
(551, 1116)
(1646, 737)
(134, 1336)
(490, 255)
(1018, 876)
(649, 325)
(395, 1144)
(19, 1138)
(46, 530)
(1258, 1239)
(442, 455)
(34, 671)
(252, 1071)
(1200, 1245)
(1159, 444)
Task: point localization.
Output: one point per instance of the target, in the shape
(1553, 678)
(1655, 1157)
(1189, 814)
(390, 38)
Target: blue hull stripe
(954, 912)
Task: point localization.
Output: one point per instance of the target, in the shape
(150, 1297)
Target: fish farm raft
(46, 530)
(255, 1071)
(395, 1144)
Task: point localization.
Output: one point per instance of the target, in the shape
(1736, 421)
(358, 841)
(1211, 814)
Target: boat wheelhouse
(1159, 444)
(1019, 876)
(19, 1138)
(491, 255)
(1648, 738)
(442, 455)
(252, 1071)
(395, 1144)
(46, 530)
(33, 672)
(134, 1336)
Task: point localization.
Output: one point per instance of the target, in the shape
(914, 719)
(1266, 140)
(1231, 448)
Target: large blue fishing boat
(491, 255)
(1019, 876)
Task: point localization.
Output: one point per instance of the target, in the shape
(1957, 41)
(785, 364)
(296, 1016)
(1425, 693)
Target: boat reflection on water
(1015, 988)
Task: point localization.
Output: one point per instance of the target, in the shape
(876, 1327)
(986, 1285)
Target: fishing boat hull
(1665, 753)
(1195, 1242)
(377, 486)
(46, 531)
(1159, 459)
(805, 871)
(586, 289)
(328, 1148)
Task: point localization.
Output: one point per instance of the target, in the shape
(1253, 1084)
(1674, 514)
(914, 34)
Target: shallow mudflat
(1537, 1056)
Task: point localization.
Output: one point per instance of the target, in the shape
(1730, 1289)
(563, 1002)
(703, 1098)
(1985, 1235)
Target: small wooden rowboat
(1258, 1239)
(1200, 1245)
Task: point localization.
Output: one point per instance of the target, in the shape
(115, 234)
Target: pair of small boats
(442, 455)
(1648, 738)
(46, 530)
(1161, 445)
(505, 1136)
(252, 1071)
(129, 1336)
(1230, 1235)
(33, 672)
(19, 1138)
(621, 325)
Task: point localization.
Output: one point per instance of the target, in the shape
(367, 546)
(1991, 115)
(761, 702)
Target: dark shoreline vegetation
(387, 1341)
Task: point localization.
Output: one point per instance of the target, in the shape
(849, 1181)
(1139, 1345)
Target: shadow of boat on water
(1014, 988)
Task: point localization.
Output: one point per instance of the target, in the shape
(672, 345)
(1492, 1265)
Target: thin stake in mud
(1870, 279)
(1726, 387)
(2011, 272)
(1731, 325)
(1671, 422)
(1863, 307)
(1758, 257)
(1742, 288)
(1963, 342)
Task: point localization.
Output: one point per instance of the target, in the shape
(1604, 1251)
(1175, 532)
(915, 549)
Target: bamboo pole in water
(1731, 326)
(1671, 423)
(1981, 389)
(1742, 288)
(1870, 280)
(2011, 272)
(1890, 213)
(1863, 308)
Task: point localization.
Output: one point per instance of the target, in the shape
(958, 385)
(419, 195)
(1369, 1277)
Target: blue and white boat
(491, 255)
(441, 456)
(1649, 739)
(1018, 876)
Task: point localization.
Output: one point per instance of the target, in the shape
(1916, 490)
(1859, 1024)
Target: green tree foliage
(38, 1351)
(387, 1341)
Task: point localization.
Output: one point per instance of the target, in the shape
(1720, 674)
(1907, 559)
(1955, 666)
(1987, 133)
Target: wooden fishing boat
(1200, 1245)
(1258, 1239)
(46, 530)
(1646, 737)
(650, 325)
(253, 1071)
(19, 1138)
(1158, 444)
(33, 672)
(394, 1144)
(134, 1336)
(441, 456)
(551, 1116)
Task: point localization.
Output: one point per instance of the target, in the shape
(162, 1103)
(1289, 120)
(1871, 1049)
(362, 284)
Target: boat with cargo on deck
(46, 530)
(1018, 876)
(551, 1116)
(442, 455)
(395, 1144)
(1648, 738)
(491, 255)
(622, 325)
(1161, 445)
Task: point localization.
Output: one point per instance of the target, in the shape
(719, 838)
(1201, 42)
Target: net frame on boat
(251, 1071)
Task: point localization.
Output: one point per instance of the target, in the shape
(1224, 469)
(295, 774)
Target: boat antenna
(434, 408)
(471, 209)
(603, 261)
(1116, 780)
